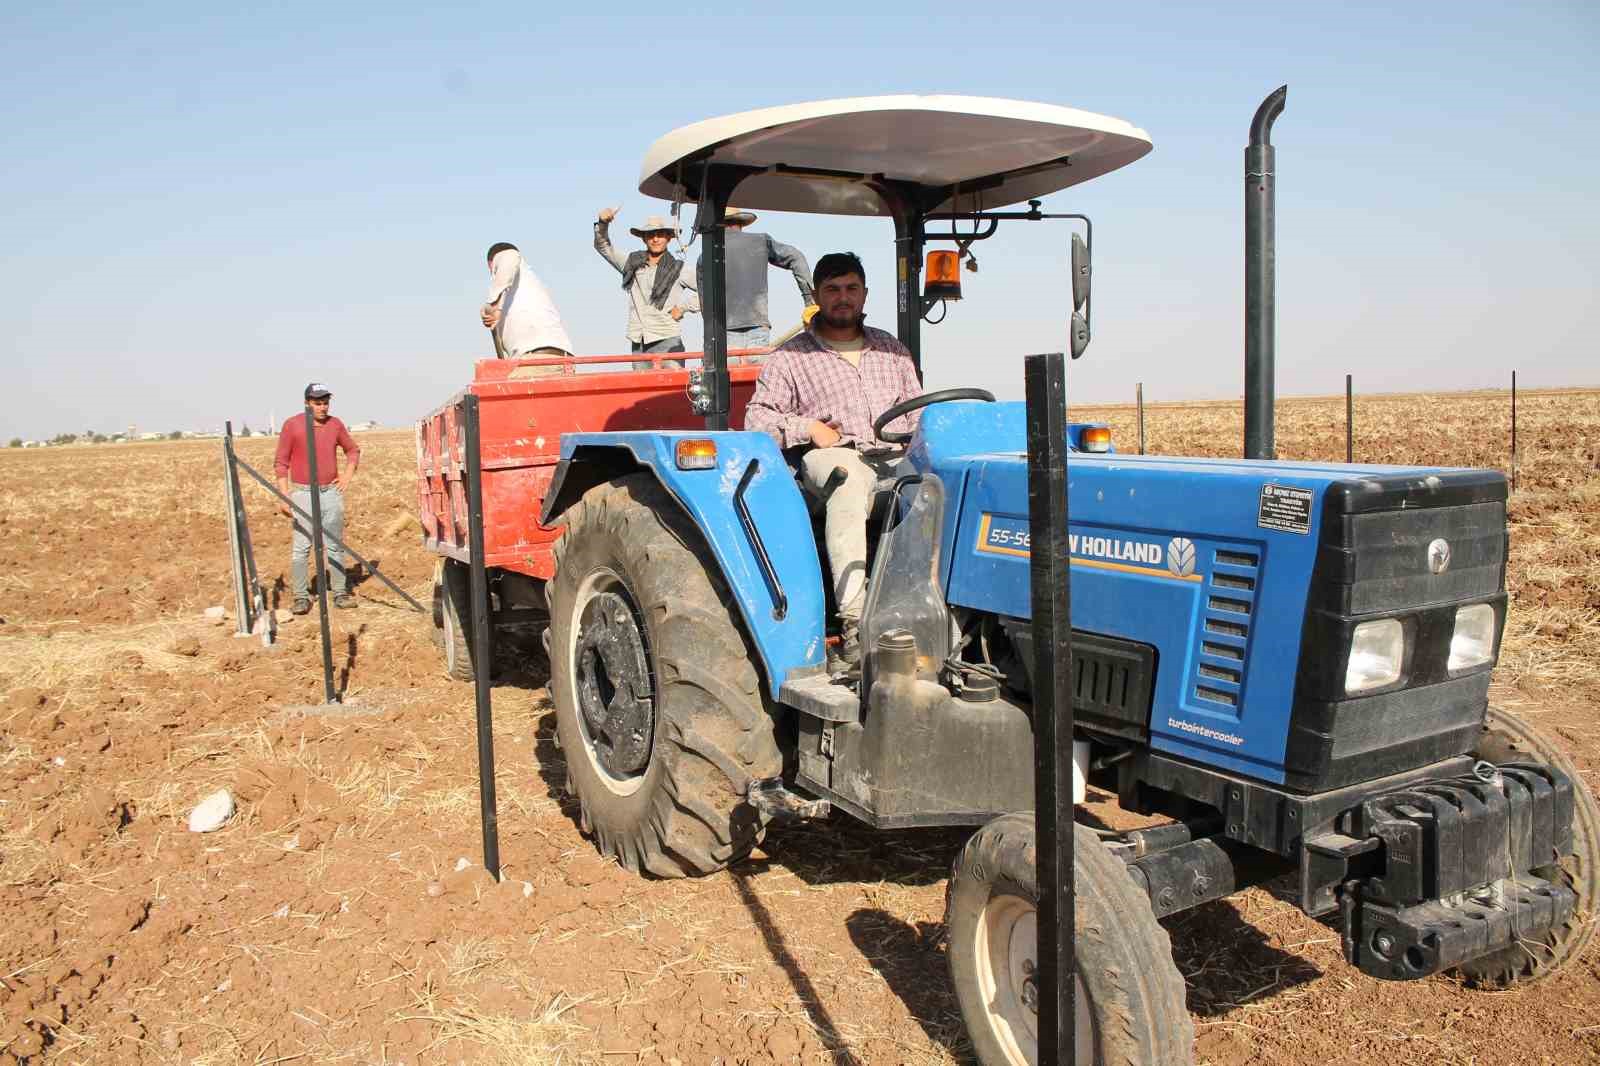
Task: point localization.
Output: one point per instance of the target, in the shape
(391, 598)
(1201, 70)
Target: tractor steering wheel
(916, 403)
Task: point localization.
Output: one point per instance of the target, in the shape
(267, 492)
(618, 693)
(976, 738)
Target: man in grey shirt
(748, 256)
(660, 292)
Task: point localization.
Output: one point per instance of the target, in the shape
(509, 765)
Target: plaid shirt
(805, 381)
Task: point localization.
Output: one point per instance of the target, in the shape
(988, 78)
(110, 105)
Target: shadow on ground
(1227, 962)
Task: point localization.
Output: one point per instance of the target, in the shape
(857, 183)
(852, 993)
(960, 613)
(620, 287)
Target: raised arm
(782, 255)
(602, 240)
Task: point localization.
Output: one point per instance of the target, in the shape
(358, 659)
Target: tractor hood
(1210, 557)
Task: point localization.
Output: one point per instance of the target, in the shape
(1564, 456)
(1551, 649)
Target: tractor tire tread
(1137, 994)
(715, 731)
(1506, 738)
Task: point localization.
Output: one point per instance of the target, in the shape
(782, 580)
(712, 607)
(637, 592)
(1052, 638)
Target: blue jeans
(666, 344)
(300, 545)
(754, 337)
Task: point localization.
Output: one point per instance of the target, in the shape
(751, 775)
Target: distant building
(361, 426)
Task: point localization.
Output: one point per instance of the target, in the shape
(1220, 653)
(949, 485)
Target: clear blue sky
(205, 206)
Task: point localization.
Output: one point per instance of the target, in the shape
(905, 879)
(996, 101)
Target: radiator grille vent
(1225, 630)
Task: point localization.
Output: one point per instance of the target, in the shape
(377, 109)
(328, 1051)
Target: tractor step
(771, 798)
(818, 696)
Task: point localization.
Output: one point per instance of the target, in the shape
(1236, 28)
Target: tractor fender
(751, 514)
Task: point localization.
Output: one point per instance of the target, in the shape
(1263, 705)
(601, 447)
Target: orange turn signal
(943, 276)
(697, 453)
(1096, 439)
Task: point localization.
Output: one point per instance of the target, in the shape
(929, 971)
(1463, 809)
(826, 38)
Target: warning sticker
(1286, 508)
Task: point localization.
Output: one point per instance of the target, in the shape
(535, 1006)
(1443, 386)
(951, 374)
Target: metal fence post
(1349, 421)
(1513, 431)
(1050, 571)
(1138, 401)
(230, 482)
(482, 649)
(318, 558)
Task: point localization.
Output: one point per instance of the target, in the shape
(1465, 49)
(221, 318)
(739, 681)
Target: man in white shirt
(521, 313)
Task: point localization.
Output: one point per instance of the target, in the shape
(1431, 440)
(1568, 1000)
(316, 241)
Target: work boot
(344, 599)
(301, 605)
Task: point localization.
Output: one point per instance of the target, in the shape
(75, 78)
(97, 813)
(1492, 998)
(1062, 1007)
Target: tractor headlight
(1376, 652)
(1472, 643)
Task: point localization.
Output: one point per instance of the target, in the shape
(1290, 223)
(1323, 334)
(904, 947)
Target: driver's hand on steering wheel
(824, 435)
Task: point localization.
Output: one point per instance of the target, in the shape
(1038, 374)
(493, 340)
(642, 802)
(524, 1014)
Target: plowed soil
(343, 916)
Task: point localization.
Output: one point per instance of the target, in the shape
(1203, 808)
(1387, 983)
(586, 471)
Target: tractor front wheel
(659, 707)
(1129, 996)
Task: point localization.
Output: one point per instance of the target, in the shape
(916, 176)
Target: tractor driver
(821, 391)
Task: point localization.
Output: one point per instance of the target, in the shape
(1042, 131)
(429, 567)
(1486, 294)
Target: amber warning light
(1095, 439)
(697, 453)
(943, 276)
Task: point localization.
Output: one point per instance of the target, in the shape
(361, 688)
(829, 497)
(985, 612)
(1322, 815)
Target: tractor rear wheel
(451, 614)
(659, 706)
(1130, 997)
(1506, 738)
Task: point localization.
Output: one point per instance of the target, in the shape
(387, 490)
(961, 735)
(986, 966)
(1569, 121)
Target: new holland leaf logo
(1180, 556)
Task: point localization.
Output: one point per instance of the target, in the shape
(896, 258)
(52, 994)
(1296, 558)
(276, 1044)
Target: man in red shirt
(294, 477)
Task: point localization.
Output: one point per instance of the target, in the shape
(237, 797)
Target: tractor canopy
(960, 153)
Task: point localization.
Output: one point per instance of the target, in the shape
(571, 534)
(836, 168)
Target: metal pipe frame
(241, 594)
(1051, 575)
(337, 543)
(994, 218)
(482, 650)
(319, 558)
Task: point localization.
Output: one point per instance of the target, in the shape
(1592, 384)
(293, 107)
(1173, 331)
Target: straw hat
(654, 224)
(738, 216)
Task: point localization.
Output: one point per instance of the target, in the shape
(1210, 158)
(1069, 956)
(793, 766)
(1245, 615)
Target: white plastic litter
(527, 889)
(211, 813)
(215, 615)
(462, 864)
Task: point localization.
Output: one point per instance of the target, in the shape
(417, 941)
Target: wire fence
(1350, 428)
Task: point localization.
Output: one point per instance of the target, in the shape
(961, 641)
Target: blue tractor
(1288, 661)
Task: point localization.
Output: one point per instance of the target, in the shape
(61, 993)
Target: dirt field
(328, 923)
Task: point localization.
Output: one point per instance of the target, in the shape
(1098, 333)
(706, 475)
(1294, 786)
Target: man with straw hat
(749, 254)
(660, 292)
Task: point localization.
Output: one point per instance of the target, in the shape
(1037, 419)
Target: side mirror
(1080, 273)
(1080, 334)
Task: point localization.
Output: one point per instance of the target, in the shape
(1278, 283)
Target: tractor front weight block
(1445, 871)
(1404, 943)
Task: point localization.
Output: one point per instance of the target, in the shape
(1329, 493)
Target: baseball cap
(317, 389)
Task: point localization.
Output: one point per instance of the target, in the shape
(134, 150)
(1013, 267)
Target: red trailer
(521, 419)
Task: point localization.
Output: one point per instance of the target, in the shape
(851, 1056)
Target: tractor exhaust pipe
(1260, 287)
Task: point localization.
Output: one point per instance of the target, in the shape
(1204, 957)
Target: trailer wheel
(1506, 738)
(1130, 997)
(659, 707)
(451, 612)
